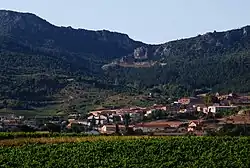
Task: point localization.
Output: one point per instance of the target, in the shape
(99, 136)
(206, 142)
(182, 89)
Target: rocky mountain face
(209, 42)
(218, 60)
(25, 30)
(28, 30)
(212, 43)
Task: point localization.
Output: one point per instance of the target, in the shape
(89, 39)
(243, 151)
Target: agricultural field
(118, 152)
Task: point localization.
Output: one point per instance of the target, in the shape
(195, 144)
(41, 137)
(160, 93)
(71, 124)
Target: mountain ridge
(23, 26)
(73, 61)
(7, 12)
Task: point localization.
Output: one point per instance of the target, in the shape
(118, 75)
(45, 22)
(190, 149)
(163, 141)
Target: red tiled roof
(120, 126)
(160, 124)
(152, 125)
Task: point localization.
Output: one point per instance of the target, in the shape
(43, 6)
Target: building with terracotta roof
(157, 126)
(111, 128)
(195, 125)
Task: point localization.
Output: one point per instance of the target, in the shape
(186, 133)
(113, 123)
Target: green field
(118, 152)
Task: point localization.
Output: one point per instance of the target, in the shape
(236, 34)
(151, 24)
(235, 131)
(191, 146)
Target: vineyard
(144, 152)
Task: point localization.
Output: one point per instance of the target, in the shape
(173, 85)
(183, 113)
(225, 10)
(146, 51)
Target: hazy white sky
(150, 21)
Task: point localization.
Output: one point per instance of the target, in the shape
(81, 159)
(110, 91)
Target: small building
(191, 101)
(184, 101)
(10, 124)
(103, 112)
(194, 125)
(147, 128)
(111, 128)
(99, 119)
(200, 107)
(182, 110)
(218, 109)
(157, 126)
(149, 110)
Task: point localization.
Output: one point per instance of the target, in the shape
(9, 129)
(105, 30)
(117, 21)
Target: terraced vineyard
(153, 152)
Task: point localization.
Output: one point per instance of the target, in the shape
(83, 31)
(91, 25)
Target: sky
(150, 21)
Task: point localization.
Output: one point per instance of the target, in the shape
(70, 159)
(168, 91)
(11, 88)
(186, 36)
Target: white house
(216, 109)
(211, 109)
(205, 110)
(193, 125)
(99, 119)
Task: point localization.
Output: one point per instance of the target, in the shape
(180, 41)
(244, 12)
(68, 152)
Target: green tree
(93, 122)
(208, 100)
(126, 121)
(53, 127)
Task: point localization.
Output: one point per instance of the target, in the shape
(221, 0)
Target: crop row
(138, 152)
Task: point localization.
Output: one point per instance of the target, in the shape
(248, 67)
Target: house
(194, 125)
(201, 107)
(116, 118)
(151, 127)
(79, 122)
(9, 117)
(78, 126)
(211, 109)
(10, 124)
(157, 126)
(184, 101)
(111, 128)
(190, 101)
(103, 112)
(159, 107)
(99, 119)
(217, 109)
(182, 110)
(149, 110)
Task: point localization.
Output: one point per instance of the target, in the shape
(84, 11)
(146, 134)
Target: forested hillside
(218, 60)
(42, 64)
(40, 60)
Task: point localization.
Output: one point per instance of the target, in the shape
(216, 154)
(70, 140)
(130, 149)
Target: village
(199, 115)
